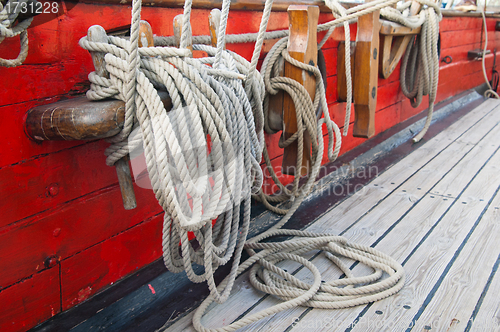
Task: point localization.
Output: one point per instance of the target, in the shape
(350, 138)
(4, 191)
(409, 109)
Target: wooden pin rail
(258, 5)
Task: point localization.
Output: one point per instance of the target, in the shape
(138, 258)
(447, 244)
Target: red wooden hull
(64, 235)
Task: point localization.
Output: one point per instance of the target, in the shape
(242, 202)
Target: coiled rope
(420, 65)
(203, 161)
(8, 29)
(489, 92)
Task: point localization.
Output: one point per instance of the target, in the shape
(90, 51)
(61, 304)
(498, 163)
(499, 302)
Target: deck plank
(382, 216)
(457, 295)
(380, 198)
(486, 315)
(428, 263)
(397, 244)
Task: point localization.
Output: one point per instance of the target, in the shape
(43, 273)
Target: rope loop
(203, 159)
(9, 29)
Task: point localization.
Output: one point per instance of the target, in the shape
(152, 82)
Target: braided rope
(8, 16)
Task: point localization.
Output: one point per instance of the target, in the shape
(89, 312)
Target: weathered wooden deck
(437, 212)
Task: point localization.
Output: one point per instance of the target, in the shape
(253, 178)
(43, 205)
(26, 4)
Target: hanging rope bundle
(8, 29)
(306, 122)
(202, 156)
(420, 64)
(203, 161)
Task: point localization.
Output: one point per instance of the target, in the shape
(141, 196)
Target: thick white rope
(420, 64)
(8, 29)
(489, 92)
(212, 111)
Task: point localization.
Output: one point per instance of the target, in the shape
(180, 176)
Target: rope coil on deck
(203, 160)
(8, 29)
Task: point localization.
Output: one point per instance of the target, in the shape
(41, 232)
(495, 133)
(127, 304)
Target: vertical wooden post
(145, 34)
(97, 33)
(366, 74)
(178, 32)
(341, 77)
(302, 46)
(213, 25)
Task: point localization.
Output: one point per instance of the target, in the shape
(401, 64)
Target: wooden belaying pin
(96, 33)
(178, 33)
(213, 25)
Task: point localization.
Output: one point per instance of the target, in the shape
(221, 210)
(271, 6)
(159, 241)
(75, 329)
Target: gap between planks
(467, 131)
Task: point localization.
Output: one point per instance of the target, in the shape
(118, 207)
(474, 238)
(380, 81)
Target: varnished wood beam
(302, 46)
(278, 5)
(341, 77)
(366, 74)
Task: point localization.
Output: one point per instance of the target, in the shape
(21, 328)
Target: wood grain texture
(341, 77)
(426, 266)
(376, 208)
(366, 73)
(373, 225)
(30, 302)
(40, 182)
(302, 46)
(455, 299)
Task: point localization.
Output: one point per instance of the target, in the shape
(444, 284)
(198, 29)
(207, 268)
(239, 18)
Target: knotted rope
(8, 29)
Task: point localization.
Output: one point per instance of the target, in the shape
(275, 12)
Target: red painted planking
(96, 268)
(17, 146)
(387, 117)
(68, 229)
(388, 95)
(331, 90)
(30, 302)
(73, 172)
(84, 222)
(330, 55)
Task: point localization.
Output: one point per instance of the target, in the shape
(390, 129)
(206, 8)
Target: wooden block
(275, 113)
(341, 77)
(213, 25)
(178, 32)
(389, 28)
(366, 74)
(302, 46)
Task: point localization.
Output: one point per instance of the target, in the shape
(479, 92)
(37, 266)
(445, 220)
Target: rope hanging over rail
(420, 64)
(203, 160)
(8, 29)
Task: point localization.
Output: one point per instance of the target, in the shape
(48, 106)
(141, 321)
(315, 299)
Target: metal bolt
(53, 189)
(50, 261)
